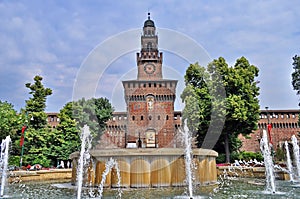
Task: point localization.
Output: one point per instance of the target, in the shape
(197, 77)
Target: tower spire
(148, 15)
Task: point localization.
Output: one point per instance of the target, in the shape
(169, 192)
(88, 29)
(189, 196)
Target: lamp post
(22, 141)
(269, 127)
(267, 114)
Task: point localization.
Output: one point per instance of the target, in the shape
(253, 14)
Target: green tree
(197, 100)
(241, 111)
(10, 120)
(38, 145)
(94, 112)
(36, 104)
(11, 124)
(67, 139)
(296, 74)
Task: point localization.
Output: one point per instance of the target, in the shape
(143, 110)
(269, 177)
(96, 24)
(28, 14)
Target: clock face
(149, 68)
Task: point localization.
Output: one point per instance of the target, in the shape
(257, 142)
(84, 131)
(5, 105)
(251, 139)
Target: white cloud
(54, 44)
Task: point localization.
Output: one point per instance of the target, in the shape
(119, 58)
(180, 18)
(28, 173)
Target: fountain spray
(84, 157)
(4, 162)
(288, 161)
(269, 166)
(296, 154)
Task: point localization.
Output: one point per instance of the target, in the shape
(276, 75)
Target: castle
(150, 120)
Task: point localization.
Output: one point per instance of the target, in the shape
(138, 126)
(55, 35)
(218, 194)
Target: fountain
(288, 161)
(4, 162)
(108, 167)
(83, 158)
(148, 167)
(296, 155)
(188, 159)
(269, 167)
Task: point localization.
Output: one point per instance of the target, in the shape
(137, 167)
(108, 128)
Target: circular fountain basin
(149, 167)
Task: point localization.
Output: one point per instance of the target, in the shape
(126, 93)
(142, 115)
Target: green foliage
(36, 105)
(280, 154)
(249, 155)
(240, 108)
(10, 121)
(10, 124)
(14, 160)
(67, 140)
(38, 146)
(197, 100)
(221, 158)
(244, 155)
(93, 112)
(296, 74)
(42, 144)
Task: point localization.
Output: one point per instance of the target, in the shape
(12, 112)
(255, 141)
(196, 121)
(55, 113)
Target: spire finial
(148, 15)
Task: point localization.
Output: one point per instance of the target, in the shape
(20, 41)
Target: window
(142, 117)
(149, 45)
(133, 117)
(158, 117)
(167, 117)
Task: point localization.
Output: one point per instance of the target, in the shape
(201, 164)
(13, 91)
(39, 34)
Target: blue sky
(55, 38)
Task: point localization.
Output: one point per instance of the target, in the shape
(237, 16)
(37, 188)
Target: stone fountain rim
(146, 152)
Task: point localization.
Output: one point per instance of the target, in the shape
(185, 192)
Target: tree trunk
(227, 152)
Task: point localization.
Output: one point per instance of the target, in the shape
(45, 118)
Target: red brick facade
(284, 125)
(52, 119)
(149, 120)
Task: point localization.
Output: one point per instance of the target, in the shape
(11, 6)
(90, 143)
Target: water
(296, 155)
(4, 163)
(108, 166)
(188, 160)
(269, 166)
(288, 161)
(238, 188)
(83, 158)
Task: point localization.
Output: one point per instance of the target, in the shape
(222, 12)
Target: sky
(92, 45)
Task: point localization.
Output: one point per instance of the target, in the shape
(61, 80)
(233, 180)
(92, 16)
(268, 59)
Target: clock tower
(149, 60)
(150, 98)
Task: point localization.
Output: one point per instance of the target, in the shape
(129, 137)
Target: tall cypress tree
(35, 106)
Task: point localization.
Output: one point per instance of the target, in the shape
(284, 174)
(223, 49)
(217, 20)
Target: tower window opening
(149, 45)
(133, 117)
(142, 117)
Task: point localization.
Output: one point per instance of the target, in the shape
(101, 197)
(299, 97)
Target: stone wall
(58, 175)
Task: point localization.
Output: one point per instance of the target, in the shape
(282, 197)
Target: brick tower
(150, 98)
